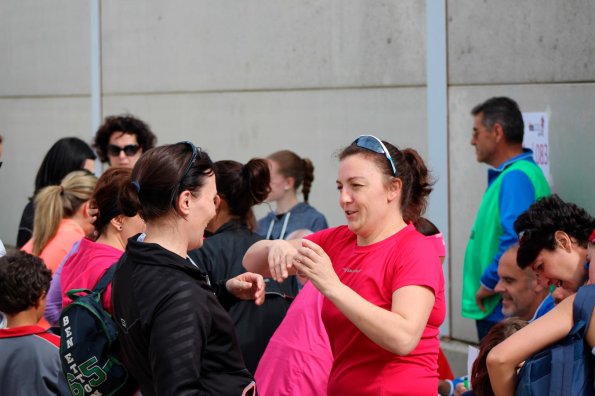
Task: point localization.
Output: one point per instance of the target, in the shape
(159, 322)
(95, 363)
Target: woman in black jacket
(176, 337)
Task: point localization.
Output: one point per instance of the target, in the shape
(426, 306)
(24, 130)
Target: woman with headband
(175, 334)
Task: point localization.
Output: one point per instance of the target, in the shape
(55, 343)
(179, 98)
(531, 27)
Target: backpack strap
(105, 279)
(584, 302)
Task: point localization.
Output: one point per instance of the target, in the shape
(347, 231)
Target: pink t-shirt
(298, 358)
(375, 272)
(69, 231)
(85, 267)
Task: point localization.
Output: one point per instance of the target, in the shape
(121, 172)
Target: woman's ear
(394, 188)
(118, 222)
(218, 201)
(289, 183)
(183, 202)
(563, 240)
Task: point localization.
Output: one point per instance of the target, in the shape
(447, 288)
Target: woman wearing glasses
(121, 140)
(176, 337)
(289, 172)
(382, 281)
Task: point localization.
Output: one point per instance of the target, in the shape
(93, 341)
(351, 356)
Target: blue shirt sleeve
(516, 195)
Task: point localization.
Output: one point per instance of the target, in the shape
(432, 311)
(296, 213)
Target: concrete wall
(540, 53)
(241, 79)
(245, 78)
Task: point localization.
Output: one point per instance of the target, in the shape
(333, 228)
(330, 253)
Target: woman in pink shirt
(117, 221)
(381, 279)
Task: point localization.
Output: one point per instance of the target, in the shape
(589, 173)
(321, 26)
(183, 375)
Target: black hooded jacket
(176, 338)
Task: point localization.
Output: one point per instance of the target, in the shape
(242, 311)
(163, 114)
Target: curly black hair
(536, 227)
(123, 123)
(24, 278)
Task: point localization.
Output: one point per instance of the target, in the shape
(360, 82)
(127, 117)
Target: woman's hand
(280, 258)
(247, 286)
(313, 262)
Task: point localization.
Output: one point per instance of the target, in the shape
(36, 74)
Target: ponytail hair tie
(61, 190)
(136, 185)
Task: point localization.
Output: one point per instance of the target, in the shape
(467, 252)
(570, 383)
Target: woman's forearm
(397, 332)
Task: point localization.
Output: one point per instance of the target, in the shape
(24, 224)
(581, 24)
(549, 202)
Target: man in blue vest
(515, 181)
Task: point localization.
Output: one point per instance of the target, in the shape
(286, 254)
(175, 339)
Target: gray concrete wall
(540, 53)
(241, 79)
(245, 78)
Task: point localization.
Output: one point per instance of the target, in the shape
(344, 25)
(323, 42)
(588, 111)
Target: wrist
(334, 291)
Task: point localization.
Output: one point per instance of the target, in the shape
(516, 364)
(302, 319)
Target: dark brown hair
(425, 227)
(114, 195)
(480, 380)
(24, 278)
(537, 227)
(243, 186)
(292, 165)
(159, 177)
(411, 169)
(127, 124)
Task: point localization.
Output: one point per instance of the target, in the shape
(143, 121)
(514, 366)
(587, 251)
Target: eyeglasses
(129, 150)
(374, 144)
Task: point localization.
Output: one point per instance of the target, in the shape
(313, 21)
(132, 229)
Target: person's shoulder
(411, 241)
(304, 208)
(266, 218)
(51, 339)
(34, 336)
(336, 236)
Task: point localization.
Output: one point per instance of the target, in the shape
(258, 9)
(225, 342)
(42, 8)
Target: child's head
(24, 283)
(480, 380)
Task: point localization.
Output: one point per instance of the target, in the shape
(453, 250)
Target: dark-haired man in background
(515, 181)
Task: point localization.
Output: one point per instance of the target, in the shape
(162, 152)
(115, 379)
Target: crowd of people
(209, 300)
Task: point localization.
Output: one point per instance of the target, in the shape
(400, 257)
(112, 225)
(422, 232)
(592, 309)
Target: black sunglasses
(129, 150)
(374, 144)
(196, 151)
(195, 155)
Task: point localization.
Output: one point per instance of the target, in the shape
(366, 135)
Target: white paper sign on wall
(537, 139)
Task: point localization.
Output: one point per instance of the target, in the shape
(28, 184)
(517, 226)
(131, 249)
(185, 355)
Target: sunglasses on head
(195, 155)
(525, 235)
(374, 144)
(196, 151)
(129, 150)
